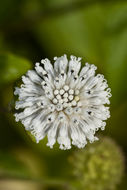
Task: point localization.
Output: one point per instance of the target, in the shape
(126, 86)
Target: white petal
(48, 66)
(61, 64)
(74, 64)
(34, 76)
(52, 133)
(78, 137)
(63, 138)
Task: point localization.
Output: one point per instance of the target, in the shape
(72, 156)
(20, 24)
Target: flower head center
(65, 97)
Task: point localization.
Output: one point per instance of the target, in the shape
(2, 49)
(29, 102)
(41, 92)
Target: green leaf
(115, 48)
(12, 67)
(10, 166)
(8, 9)
(117, 125)
(21, 163)
(73, 34)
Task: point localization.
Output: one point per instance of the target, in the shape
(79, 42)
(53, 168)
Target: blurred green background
(30, 30)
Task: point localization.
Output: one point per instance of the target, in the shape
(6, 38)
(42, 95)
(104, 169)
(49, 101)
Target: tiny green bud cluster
(98, 167)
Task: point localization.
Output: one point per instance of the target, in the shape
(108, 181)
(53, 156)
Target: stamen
(74, 103)
(71, 91)
(58, 97)
(56, 92)
(62, 92)
(55, 101)
(65, 95)
(76, 98)
(65, 99)
(66, 87)
(76, 92)
(71, 97)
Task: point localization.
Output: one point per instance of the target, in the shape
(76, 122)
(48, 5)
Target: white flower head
(64, 102)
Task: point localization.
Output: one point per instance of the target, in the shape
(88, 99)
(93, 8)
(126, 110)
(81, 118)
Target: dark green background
(30, 30)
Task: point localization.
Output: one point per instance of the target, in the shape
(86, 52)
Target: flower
(100, 166)
(64, 102)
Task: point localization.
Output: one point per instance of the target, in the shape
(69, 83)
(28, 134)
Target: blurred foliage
(21, 163)
(20, 185)
(12, 67)
(30, 30)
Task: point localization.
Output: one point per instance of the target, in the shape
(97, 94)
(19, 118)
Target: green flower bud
(99, 166)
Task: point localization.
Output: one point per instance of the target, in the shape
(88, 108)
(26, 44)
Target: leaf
(10, 166)
(21, 163)
(72, 34)
(8, 9)
(117, 125)
(12, 67)
(115, 48)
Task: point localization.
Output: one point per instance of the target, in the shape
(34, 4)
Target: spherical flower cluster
(64, 102)
(98, 167)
